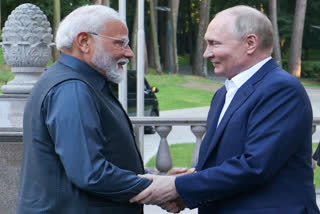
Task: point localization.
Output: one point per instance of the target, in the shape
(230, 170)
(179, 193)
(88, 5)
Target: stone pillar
(198, 131)
(26, 48)
(163, 160)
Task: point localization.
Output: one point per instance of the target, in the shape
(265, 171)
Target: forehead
(115, 28)
(219, 26)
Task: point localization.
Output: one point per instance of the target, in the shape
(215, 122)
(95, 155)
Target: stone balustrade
(164, 127)
(11, 151)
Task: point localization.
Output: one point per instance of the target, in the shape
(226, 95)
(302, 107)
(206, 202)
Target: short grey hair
(251, 21)
(84, 19)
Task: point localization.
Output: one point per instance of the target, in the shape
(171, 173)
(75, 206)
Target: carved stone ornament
(26, 47)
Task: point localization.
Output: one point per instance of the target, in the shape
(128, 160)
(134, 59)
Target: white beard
(106, 63)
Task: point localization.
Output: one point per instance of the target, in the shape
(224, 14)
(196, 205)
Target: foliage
(184, 60)
(5, 76)
(181, 155)
(309, 69)
(2, 62)
(46, 6)
(188, 19)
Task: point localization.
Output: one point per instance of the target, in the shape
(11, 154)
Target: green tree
(56, 21)
(296, 42)
(273, 14)
(154, 37)
(199, 65)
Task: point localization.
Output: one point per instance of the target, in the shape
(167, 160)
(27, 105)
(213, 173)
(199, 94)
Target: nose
(128, 52)
(207, 53)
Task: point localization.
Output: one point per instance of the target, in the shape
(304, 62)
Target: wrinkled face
(110, 54)
(227, 54)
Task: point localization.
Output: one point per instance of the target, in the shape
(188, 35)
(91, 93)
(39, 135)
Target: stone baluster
(198, 131)
(163, 160)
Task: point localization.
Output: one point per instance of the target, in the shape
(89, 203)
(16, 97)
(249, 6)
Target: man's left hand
(161, 190)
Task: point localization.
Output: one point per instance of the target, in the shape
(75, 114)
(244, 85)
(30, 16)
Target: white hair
(84, 19)
(249, 20)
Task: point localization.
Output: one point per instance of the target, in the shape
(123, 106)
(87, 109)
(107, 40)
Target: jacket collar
(90, 74)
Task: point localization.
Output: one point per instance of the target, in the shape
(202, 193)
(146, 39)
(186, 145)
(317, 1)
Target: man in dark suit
(80, 155)
(256, 155)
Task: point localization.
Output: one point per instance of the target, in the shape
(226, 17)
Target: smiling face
(227, 54)
(110, 54)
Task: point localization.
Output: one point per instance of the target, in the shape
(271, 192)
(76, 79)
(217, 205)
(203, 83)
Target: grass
(182, 154)
(310, 83)
(179, 92)
(316, 178)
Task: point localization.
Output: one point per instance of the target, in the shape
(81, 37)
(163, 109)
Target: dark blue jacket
(258, 160)
(79, 154)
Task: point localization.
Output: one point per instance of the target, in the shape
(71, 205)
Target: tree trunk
(102, 2)
(134, 44)
(174, 5)
(154, 38)
(56, 21)
(134, 40)
(163, 31)
(274, 20)
(198, 67)
(0, 16)
(105, 2)
(296, 38)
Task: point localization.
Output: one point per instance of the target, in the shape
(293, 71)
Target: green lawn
(182, 154)
(179, 92)
(317, 170)
(310, 83)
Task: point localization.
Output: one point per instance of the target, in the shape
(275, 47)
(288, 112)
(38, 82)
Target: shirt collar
(90, 74)
(238, 80)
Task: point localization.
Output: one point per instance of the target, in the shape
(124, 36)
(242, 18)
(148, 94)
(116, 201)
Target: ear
(252, 43)
(83, 42)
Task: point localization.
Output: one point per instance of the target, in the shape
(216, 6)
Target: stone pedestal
(11, 114)
(10, 161)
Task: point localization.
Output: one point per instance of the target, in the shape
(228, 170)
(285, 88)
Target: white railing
(164, 127)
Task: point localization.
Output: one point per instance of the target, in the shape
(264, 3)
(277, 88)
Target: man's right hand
(174, 206)
(180, 171)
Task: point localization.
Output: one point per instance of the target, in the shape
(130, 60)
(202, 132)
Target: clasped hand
(162, 190)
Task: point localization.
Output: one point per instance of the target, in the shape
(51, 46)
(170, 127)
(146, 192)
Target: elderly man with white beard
(80, 154)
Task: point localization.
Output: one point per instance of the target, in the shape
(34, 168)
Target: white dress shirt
(236, 82)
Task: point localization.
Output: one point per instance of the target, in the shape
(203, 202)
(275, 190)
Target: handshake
(162, 191)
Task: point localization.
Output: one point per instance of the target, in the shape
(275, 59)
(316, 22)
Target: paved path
(183, 135)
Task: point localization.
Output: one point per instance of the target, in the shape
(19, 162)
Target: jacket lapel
(212, 120)
(240, 97)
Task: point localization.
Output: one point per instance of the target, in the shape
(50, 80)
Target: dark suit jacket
(258, 160)
(77, 162)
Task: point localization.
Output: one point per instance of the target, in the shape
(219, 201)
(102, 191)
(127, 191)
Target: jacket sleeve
(277, 127)
(72, 119)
